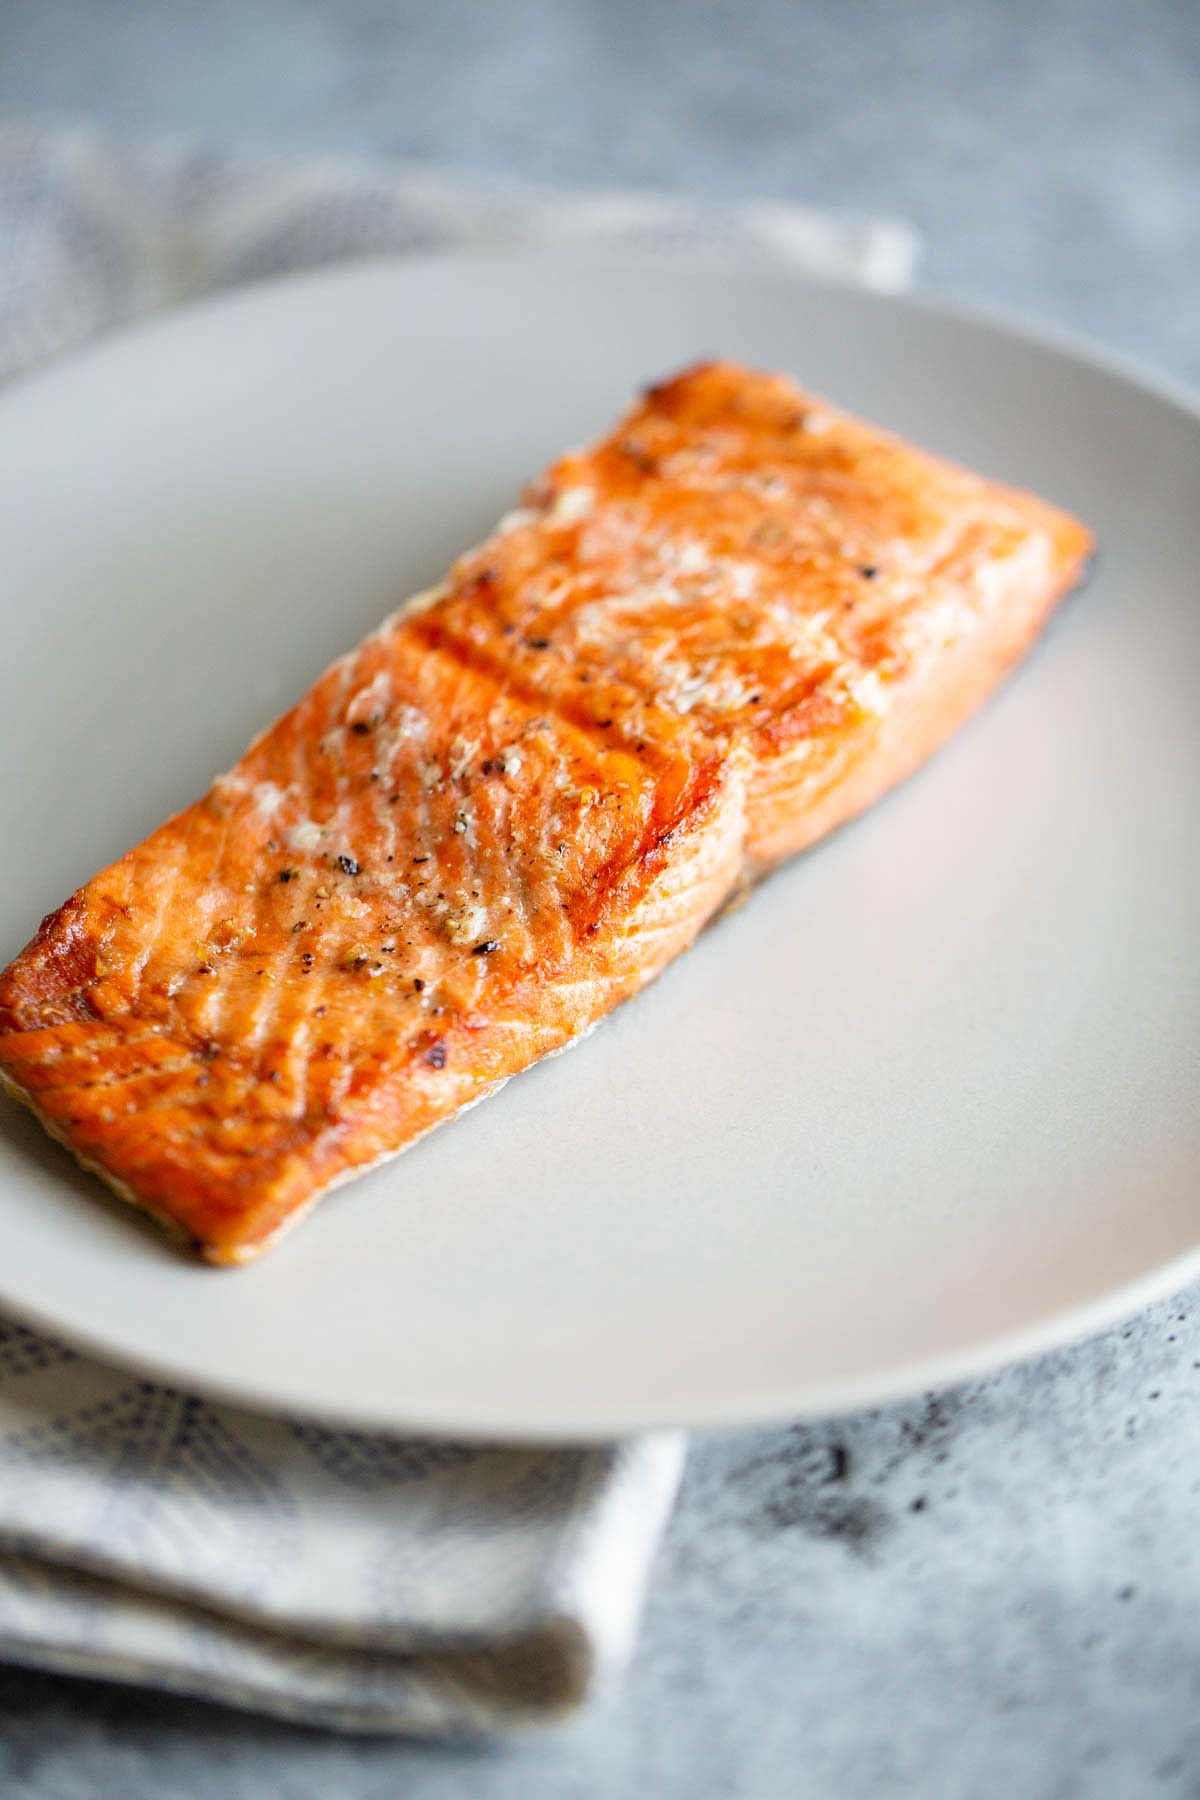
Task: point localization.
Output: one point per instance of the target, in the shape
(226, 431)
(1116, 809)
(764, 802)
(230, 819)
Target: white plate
(930, 1100)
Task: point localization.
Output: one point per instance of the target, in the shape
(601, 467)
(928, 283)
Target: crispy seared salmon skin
(694, 649)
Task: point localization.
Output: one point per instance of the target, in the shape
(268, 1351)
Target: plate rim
(831, 1399)
(1058, 1329)
(1058, 340)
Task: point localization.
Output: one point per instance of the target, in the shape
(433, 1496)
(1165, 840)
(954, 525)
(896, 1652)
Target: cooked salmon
(694, 649)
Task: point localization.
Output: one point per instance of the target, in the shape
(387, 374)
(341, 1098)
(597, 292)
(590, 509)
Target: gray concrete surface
(991, 1593)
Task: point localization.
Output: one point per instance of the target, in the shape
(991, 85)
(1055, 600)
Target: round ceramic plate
(927, 1102)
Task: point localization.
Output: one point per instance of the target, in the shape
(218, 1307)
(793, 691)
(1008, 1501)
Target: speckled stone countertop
(992, 1592)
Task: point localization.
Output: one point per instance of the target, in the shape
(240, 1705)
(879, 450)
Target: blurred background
(1048, 150)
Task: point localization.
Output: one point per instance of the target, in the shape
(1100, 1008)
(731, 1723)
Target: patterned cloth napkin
(147, 1535)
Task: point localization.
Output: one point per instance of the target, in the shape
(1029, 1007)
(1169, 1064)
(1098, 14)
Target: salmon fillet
(695, 648)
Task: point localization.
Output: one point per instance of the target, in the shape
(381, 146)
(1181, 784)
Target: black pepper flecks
(486, 948)
(868, 571)
(418, 984)
(349, 865)
(435, 1056)
(287, 874)
(360, 727)
(641, 460)
(537, 643)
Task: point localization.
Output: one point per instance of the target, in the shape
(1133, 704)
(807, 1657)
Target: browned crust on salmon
(699, 646)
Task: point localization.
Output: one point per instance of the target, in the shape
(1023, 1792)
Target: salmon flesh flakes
(695, 648)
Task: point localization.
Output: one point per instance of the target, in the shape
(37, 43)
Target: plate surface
(964, 1125)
